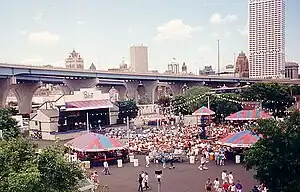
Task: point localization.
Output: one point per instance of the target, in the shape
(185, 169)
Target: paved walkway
(184, 178)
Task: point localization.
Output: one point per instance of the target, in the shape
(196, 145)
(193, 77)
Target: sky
(44, 32)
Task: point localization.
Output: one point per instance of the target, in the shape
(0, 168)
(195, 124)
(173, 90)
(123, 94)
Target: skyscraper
(242, 65)
(266, 38)
(139, 58)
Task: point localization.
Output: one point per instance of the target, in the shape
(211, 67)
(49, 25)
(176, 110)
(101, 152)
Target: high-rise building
(74, 61)
(184, 68)
(139, 58)
(173, 67)
(242, 65)
(266, 38)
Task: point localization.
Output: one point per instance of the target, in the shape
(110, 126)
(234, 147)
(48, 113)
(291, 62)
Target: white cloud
(23, 32)
(44, 37)
(244, 30)
(215, 35)
(38, 17)
(227, 33)
(79, 22)
(33, 60)
(204, 49)
(175, 30)
(129, 30)
(217, 18)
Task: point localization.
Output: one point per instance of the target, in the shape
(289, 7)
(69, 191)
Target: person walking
(208, 185)
(238, 186)
(106, 168)
(172, 162)
(140, 180)
(147, 159)
(216, 184)
(146, 181)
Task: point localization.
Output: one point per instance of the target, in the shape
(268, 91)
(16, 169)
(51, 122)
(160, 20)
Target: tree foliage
(164, 103)
(223, 105)
(8, 125)
(275, 157)
(127, 108)
(56, 174)
(274, 97)
(22, 169)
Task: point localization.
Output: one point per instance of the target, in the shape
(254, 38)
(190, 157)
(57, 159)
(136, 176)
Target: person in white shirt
(216, 184)
(146, 180)
(232, 187)
(230, 178)
(202, 164)
(147, 158)
(224, 176)
(106, 169)
(143, 176)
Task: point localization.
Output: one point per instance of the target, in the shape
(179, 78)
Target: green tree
(127, 108)
(56, 173)
(275, 157)
(23, 170)
(8, 125)
(274, 97)
(224, 105)
(179, 105)
(164, 103)
(18, 170)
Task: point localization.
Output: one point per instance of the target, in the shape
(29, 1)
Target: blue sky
(44, 32)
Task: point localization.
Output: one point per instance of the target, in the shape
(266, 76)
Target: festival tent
(240, 139)
(203, 111)
(245, 115)
(94, 142)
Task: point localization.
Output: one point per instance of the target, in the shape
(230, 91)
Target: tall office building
(139, 58)
(242, 65)
(266, 38)
(74, 61)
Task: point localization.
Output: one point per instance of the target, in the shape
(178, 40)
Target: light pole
(218, 57)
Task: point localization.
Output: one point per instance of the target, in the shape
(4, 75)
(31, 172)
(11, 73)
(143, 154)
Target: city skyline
(37, 32)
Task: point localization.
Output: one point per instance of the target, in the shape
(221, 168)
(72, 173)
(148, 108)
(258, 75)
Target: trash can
(237, 159)
(120, 163)
(135, 162)
(131, 158)
(192, 159)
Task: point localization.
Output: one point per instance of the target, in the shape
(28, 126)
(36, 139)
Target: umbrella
(253, 114)
(203, 111)
(240, 139)
(94, 142)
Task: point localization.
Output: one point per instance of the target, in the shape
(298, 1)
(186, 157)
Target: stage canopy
(240, 139)
(88, 105)
(94, 142)
(245, 115)
(203, 111)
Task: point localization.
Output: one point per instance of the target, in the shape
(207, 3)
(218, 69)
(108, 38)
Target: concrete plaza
(184, 178)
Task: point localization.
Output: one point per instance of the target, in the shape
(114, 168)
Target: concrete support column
(122, 91)
(24, 93)
(65, 89)
(176, 88)
(77, 84)
(5, 85)
(131, 89)
(150, 87)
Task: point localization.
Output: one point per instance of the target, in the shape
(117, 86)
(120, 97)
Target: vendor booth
(204, 115)
(243, 139)
(97, 148)
(248, 115)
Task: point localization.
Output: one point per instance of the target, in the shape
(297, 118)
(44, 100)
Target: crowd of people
(184, 139)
